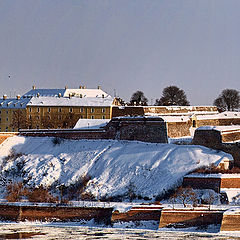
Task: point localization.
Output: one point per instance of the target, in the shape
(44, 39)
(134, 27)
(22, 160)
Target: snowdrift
(151, 168)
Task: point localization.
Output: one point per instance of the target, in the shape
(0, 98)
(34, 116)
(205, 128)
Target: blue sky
(126, 45)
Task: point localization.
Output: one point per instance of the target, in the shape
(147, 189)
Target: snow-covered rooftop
(44, 93)
(222, 115)
(91, 123)
(221, 128)
(73, 101)
(14, 103)
(90, 93)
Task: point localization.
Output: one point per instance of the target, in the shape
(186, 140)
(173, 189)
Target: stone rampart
(182, 218)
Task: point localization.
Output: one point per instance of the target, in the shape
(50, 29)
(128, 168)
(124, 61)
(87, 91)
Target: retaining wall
(189, 218)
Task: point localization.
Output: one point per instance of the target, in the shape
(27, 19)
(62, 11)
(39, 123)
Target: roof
(222, 115)
(220, 128)
(13, 103)
(91, 123)
(78, 92)
(81, 92)
(44, 93)
(71, 102)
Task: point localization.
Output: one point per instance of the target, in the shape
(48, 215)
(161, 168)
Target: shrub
(57, 141)
(12, 156)
(41, 194)
(75, 190)
(15, 192)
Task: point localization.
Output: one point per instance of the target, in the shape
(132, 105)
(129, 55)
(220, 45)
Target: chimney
(33, 87)
(18, 97)
(99, 87)
(80, 87)
(38, 94)
(83, 87)
(59, 94)
(4, 97)
(66, 87)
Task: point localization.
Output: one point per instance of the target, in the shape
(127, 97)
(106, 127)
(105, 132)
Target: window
(30, 109)
(38, 109)
(92, 110)
(6, 112)
(30, 117)
(7, 119)
(0, 112)
(37, 127)
(70, 109)
(0, 119)
(59, 110)
(59, 117)
(6, 129)
(38, 117)
(92, 117)
(49, 109)
(81, 116)
(103, 110)
(194, 123)
(81, 110)
(103, 117)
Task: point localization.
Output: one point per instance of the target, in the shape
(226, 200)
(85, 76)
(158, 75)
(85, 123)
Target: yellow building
(12, 109)
(54, 108)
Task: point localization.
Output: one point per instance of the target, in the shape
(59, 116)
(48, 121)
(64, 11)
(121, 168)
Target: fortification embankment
(189, 218)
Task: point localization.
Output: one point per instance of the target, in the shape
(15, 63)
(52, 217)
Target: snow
(91, 123)
(73, 101)
(222, 115)
(92, 93)
(152, 168)
(13, 103)
(44, 92)
(221, 128)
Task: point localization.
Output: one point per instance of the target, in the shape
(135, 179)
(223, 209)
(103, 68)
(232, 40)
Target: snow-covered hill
(112, 164)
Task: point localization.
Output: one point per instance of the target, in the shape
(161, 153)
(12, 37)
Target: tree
(138, 98)
(19, 119)
(186, 195)
(172, 95)
(228, 100)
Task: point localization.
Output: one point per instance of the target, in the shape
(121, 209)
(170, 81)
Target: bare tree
(172, 95)
(138, 98)
(19, 119)
(210, 197)
(186, 195)
(228, 100)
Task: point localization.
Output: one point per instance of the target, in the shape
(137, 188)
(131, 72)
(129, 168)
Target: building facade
(54, 108)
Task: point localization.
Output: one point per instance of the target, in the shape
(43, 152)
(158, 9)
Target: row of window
(92, 110)
(60, 117)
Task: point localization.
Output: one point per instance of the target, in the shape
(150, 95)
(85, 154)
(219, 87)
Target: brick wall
(231, 222)
(178, 129)
(202, 183)
(189, 218)
(43, 213)
(141, 129)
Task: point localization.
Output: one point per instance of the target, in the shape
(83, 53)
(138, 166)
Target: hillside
(112, 164)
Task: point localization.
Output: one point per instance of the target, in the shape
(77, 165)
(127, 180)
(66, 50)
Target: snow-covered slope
(112, 164)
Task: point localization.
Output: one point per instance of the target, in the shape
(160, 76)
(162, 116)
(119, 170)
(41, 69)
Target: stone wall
(181, 218)
(231, 222)
(143, 213)
(44, 213)
(202, 183)
(208, 138)
(178, 129)
(140, 129)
